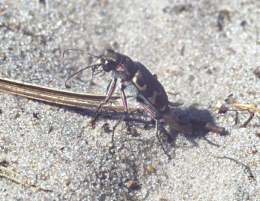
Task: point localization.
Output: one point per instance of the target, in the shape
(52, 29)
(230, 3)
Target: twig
(248, 120)
(59, 97)
(252, 109)
(247, 107)
(246, 167)
(13, 176)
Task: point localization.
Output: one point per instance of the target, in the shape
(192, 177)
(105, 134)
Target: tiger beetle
(141, 83)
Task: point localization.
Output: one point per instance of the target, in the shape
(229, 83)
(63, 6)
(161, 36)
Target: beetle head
(109, 60)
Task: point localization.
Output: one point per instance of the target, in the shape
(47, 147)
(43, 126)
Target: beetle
(141, 83)
(136, 78)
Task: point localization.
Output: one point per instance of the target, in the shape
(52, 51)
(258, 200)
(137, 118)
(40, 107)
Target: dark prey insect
(141, 83)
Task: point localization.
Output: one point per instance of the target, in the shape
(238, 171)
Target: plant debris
(246, 167)
(14, 177)
(223, 15)
(232, 105)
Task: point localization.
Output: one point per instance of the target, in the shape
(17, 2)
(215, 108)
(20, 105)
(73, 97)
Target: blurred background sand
(202, 51)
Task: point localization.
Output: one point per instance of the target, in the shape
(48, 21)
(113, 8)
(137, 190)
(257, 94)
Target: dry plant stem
(248, 107)
(252, 109)
(59, 97)
(248, 120)
(247, 168)
(14, 177)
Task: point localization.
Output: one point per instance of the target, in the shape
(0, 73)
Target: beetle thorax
(123, 75)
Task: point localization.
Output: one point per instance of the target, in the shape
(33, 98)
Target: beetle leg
(108, 86)
(113, 135)
(110, 91)
(124, 100)
(123, 96)
(149, 110)
(154, 116)
(158, 131)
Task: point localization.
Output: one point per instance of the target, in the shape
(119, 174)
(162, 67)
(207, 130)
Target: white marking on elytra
(135, 80)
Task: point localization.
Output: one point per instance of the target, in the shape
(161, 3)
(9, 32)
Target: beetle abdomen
(150, 89)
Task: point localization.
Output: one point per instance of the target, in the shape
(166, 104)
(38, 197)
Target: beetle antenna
(93, 67)
(70, 50)
(92, 55)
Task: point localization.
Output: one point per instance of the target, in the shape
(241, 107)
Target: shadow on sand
(200, 120)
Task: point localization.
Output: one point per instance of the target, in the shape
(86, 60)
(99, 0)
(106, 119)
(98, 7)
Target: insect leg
(154, 115)
(158, 129)
(109, 94)
(149, 110)
(124, 100)
(113, 135)
(123, 96)
(108, 86)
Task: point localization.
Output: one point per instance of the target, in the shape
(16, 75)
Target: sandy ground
(202, 51)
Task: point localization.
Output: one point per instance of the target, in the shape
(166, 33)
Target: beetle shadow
(201, 122)
(196, 118)
(192, 116)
